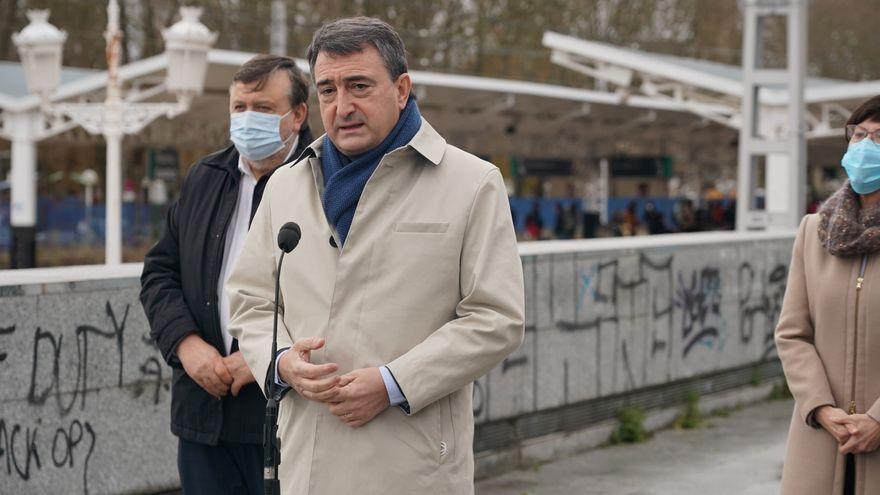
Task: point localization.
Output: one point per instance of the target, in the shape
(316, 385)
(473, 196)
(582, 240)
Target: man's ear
(300, 114)
(403, 85)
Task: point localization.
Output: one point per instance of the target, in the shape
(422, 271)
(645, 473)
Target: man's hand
(362, 396)
(864, 434)
(238, 368)
(309, 380)
(833, 420)
(204, 365)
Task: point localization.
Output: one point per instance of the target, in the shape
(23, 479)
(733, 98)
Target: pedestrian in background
(654, 219)
(829, 330)
(684, 216)
(630, 224)
(534, 224)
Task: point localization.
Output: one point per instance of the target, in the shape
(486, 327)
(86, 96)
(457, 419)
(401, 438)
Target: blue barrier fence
(548, 212)
(63, 221)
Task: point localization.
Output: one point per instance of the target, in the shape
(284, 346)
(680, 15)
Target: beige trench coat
(828, 338)
(429, 282)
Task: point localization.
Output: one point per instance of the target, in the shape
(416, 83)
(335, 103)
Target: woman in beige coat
(828, 336)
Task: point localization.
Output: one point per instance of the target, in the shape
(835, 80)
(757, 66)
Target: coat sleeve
(803, 367)
(489, 321)
(874, 411)
(251, 293)
(162, 291)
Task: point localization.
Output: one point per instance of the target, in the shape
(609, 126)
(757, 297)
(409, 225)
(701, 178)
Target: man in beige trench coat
(406, 286)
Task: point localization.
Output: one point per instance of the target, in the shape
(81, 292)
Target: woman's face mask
(256, 135)
(862, 164)
(862, 160)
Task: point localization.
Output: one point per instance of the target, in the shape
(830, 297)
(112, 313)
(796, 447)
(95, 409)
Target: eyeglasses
(855, 133)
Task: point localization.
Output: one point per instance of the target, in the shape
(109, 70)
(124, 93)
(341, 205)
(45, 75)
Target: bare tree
(499, 38)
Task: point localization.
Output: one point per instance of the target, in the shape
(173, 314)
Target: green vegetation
(536, 465)
(724, 412)
(630, 428)
(780, 391)
(756, 377)
(691, 417)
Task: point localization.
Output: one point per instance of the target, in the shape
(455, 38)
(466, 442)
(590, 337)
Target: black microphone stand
(271, 442)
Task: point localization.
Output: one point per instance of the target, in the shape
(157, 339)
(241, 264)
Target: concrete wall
(85, 397)
(605, 317)
(85, 401)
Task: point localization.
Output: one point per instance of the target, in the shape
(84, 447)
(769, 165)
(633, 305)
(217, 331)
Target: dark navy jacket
(179, 296)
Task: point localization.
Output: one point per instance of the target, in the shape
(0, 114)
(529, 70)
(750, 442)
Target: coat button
(333, 242)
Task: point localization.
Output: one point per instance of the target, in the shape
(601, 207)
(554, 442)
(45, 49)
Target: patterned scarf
(845, 229)
(344, 180)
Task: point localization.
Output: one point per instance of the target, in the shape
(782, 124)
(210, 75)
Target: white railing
(80, 273)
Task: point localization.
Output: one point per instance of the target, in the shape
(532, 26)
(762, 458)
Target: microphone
(288, 238)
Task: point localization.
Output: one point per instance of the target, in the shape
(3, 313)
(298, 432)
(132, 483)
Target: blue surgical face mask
(256, 135)
(862, 164)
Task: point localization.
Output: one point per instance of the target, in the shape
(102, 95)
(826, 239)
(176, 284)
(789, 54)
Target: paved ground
(740, 454)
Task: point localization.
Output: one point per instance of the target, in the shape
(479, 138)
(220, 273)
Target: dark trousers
(228, 468)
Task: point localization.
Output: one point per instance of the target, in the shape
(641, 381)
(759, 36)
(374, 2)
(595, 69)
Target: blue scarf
(344, 181)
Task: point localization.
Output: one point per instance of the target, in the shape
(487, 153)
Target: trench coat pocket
(421, 227)
(447, 430)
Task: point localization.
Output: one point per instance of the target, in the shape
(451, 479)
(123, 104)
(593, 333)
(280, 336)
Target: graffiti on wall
(596, 325)
(64, 392)
(760, 303)
(699, 300)
(625, 322)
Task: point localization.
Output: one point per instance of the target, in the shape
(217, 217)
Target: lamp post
(186, 47)
(39, 45)
(88, 178)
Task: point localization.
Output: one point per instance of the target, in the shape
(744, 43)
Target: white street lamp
(39, 46)
(187, 45)
(89, 179)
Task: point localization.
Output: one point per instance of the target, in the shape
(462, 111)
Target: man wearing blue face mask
(216, 408)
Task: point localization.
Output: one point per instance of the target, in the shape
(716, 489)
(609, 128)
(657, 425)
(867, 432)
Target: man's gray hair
(350, 35)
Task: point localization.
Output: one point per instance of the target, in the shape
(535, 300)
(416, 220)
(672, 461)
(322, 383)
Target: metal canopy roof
(76, 82)
(512, 116)
(691, 82)
(12, 82)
